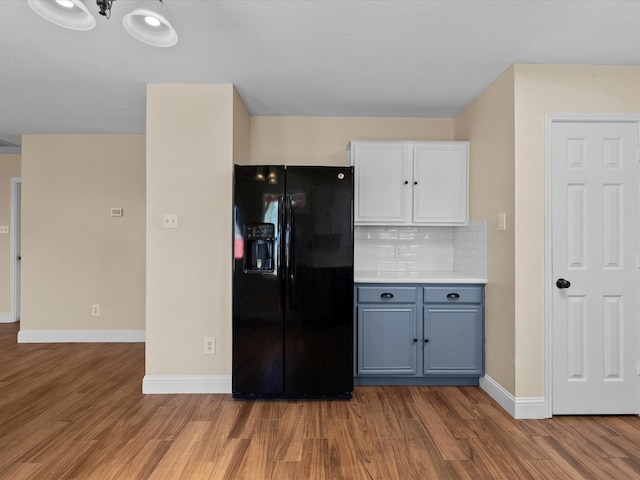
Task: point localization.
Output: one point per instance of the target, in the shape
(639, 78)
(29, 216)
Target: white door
(595, 241)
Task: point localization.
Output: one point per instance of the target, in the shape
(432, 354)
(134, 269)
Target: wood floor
(77, 411)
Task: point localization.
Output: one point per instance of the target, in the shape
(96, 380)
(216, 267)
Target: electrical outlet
(95, 309)
(209, 345)
(170, 220)
(4, 229)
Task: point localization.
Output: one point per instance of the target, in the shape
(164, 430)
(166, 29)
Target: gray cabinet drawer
(382, 294)
(453, 294)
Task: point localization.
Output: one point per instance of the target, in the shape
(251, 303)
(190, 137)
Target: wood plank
(449, 447)
(180, 453)
(317, 463)
(289, 432)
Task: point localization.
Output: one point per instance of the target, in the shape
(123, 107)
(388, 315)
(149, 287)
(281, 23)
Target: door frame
(15, 238)
(548, 240)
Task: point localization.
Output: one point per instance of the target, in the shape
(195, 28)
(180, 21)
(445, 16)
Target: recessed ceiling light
(63, 13)
(150, 27)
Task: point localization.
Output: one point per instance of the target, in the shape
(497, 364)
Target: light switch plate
(502, 221)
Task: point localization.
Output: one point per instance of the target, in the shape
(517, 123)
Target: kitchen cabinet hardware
(453, 296)
(386, 295)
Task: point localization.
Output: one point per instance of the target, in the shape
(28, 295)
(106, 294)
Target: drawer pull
(453, 296)
(386, 295)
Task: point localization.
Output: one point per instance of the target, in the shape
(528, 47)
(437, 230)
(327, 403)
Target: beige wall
(74, 254)
(323, 140)
(241, 131)
(488, 124)
(541, 90)
(9, 167)
(190, 148)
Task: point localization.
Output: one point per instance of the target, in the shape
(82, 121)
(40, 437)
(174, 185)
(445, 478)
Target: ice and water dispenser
(259, 251)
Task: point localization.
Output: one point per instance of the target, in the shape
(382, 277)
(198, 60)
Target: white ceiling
(419, 58)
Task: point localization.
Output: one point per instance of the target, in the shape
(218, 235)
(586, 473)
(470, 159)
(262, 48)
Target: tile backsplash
(398, 249)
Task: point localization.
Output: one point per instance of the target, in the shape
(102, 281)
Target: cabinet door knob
(415, 340)
(415, 183)
(406, 182)
(386, 295)
(426, 340)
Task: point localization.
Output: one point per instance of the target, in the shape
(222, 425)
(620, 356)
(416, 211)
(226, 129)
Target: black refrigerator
(292, 281)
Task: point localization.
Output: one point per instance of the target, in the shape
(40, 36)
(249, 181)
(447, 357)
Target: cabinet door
(440, 174)
(382, 182)
(453, 340)
(387, 340)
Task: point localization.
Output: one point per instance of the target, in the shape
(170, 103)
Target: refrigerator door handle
(289, 242)
(282, 249)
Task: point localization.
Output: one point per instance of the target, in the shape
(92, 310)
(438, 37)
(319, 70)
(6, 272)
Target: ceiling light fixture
(150, 28)
(144, 25)
(71, 14)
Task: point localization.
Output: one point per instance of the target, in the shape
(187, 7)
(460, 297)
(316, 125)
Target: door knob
(562, 283)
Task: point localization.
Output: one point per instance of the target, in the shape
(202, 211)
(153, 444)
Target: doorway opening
(16, 255)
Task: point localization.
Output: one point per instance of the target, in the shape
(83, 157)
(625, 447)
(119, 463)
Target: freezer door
(318, 336)
(258, 296)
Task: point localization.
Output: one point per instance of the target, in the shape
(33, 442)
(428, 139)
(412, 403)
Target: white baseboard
(81, 336)
(186, 384)
(519, 408)
(6, 317)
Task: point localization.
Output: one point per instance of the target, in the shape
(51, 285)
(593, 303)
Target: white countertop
(376, 276)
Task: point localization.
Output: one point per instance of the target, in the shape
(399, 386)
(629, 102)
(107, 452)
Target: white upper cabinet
(381, 189)
(440, 176)
(410, 183)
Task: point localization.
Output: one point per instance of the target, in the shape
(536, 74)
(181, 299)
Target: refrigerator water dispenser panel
(259, 252)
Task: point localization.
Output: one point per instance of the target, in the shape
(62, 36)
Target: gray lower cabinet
(419, 334)
(388, 339)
